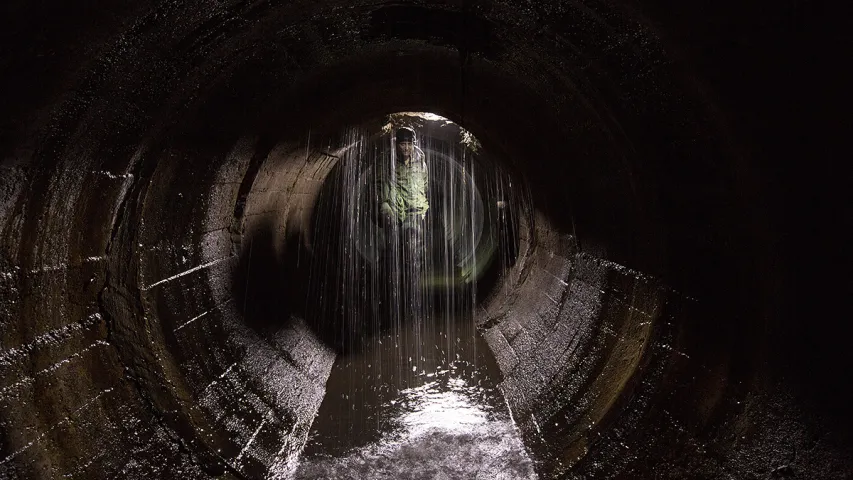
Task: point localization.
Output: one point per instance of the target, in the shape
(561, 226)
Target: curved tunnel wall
(141, 172)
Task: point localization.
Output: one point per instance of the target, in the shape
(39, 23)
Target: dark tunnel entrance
(165, 312)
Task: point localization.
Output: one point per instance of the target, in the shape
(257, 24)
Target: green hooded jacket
(403, 192)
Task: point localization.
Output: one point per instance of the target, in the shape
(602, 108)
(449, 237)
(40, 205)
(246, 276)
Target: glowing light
(448, 408)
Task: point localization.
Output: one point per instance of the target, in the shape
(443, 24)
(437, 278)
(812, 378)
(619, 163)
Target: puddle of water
(396, 410)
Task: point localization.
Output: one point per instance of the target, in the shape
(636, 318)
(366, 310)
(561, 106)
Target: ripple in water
(447, 421)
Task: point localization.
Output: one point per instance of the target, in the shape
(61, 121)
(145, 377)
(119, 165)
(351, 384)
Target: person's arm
(426, 185)
(381, 196)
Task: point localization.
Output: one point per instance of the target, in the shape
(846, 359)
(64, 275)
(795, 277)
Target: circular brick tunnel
(160, 157)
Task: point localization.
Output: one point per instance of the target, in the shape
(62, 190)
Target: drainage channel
(390, 415)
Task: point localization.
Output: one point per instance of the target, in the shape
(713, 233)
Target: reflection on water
(447, 406)
(444, 420)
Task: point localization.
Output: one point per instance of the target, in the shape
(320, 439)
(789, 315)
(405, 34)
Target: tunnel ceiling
(144, 145)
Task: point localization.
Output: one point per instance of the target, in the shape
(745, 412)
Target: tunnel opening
(413, 374)
(561, 326)
(466, 228)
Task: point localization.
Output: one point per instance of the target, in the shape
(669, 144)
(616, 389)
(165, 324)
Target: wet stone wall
(569, 341)
(140, 352)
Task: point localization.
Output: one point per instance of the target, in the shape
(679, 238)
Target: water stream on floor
(403, 233)
(448, 420)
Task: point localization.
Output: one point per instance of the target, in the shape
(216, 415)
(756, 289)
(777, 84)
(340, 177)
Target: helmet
(405, 134)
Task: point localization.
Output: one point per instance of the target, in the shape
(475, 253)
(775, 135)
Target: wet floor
(420, 404)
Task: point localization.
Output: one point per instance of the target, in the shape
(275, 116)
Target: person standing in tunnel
(404, 202)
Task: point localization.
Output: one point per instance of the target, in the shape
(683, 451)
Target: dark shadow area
(329, 295)
(460, 30)
(269, 287)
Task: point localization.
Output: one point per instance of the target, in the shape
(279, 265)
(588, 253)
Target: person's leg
(391, 271)
(414, 242)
